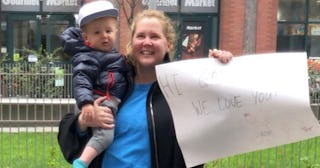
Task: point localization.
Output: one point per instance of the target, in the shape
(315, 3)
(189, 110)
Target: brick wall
(232, 13)
(266, 35)
(231, 25)
(232, 20)
(124, 35)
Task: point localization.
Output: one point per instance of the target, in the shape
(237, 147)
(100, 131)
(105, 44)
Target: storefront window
(3, 42)
(193, 40)
(286, 29)
(314, 32)
(57, 27)
(32, 35)
(299, 26)
(314, 14)
(292, 10)
(25, 32)
(196, 34)
(290, 37)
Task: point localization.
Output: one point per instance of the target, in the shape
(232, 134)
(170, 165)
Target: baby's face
(101, 33)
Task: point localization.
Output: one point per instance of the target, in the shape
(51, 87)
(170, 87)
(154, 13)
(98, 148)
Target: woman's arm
(221, 55)
(70, 140)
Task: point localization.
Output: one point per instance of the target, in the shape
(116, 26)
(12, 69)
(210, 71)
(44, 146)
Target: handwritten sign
(253, 102)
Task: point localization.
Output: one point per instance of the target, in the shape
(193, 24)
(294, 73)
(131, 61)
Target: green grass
(303, 154)
(40, 150)
(30, 150)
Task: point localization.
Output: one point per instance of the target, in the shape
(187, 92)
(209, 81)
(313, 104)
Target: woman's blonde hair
(167, 26)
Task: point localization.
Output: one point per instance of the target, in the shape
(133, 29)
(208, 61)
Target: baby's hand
(87, 112)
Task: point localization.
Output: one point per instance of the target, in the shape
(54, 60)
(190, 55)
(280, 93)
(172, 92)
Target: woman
(144, 131)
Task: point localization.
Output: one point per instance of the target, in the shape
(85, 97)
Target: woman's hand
(221, 55)
(102, 117)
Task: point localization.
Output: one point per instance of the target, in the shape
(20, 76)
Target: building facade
(34, 25)
(240, 26)
(299, 26)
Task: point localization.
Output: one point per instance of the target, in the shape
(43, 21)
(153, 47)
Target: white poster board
(253, 102)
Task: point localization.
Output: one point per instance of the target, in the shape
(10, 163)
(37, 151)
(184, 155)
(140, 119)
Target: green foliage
(308, 163)
(36, 79)
(3, 58)
(42, 55)
(314, 77)
(30, 80)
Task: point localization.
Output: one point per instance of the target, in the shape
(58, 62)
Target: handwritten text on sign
(253, 102)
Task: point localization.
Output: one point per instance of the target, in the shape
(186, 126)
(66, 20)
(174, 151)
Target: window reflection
(25, 33)
(292, 10)
(290, 29)
(314, 32)
(314, 14)
(57, 27)
(3, 41)
(295, 32)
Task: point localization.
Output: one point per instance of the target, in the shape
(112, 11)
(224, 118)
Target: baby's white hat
(96, 9)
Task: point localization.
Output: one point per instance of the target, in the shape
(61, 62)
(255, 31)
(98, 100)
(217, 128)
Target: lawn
(30, 150)
(303, 154)
(39, 150)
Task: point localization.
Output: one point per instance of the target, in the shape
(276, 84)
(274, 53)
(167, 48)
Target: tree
(130, 7)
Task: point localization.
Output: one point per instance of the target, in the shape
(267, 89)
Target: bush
(36, 79)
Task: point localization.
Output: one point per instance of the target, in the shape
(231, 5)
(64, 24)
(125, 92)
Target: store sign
(199, 6)
(164, 5)
(34, 5)
(61, 5)
(195, 6)
(168, 5)
(20, 5)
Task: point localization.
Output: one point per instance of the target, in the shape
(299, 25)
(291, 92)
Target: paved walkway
(29, 129)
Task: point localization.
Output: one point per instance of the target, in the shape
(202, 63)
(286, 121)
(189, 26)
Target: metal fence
(33, 99)
(33, 80)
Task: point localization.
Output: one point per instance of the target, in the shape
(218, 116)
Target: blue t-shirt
(131, 144)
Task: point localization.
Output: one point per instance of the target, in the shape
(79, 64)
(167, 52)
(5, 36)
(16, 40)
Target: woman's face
(149, 44)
